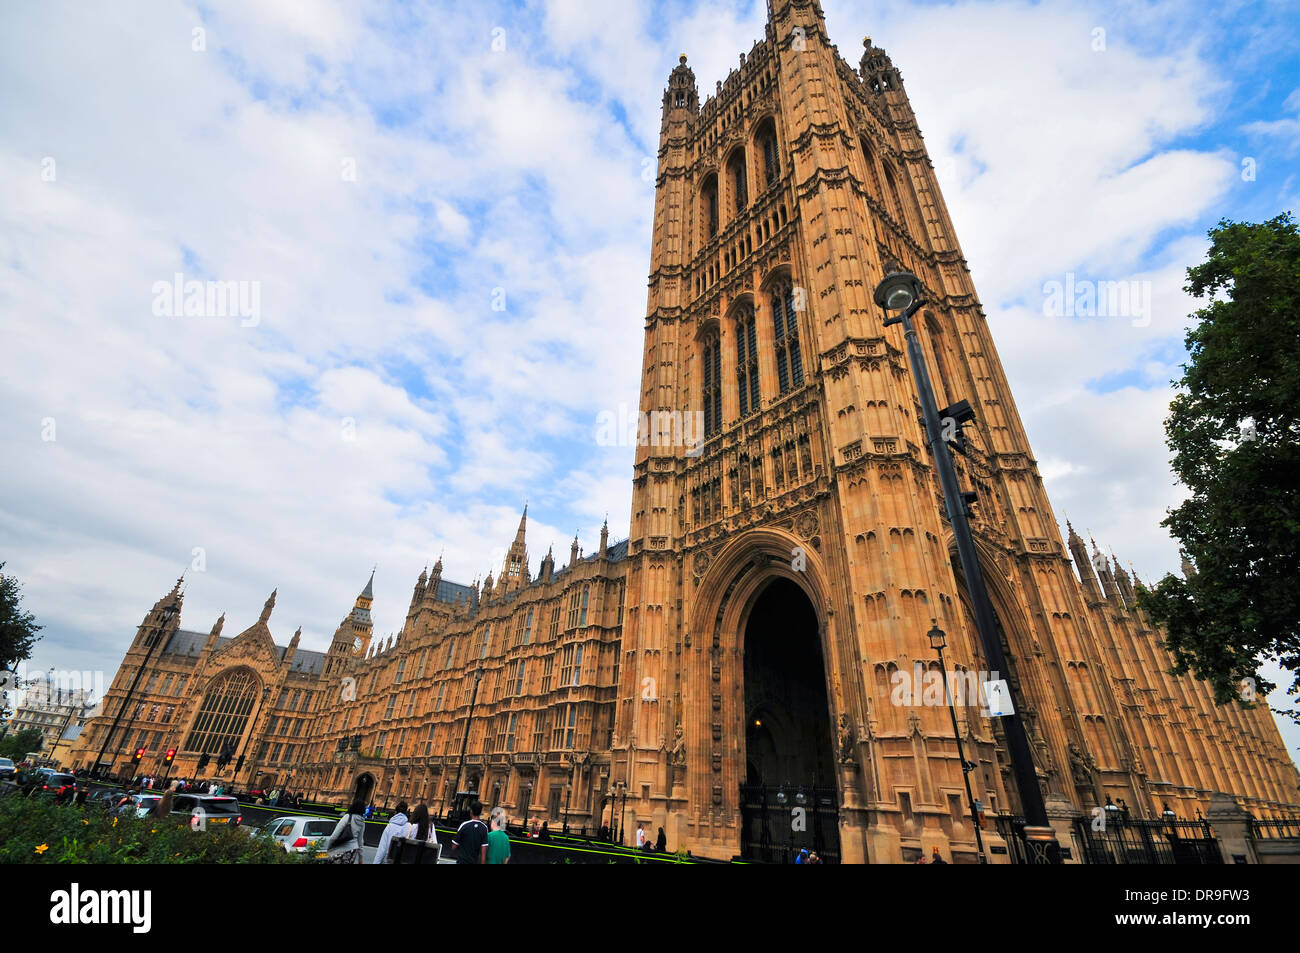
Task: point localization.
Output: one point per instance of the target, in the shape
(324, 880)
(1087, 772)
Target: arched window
(709, 206)
(771, 156)
(746, 362)
(736, 177)
(712, 384)
(935, 333)
(224, 713)
(789, 361)
(869, 160)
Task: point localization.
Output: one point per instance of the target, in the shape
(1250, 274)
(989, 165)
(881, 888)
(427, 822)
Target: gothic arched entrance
(789, 800)
(364, 787)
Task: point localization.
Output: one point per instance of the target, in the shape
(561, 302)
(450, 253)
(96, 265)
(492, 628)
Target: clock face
(356, 644)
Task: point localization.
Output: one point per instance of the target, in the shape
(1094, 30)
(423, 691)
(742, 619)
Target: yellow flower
(42, 848)
(115, 822)
(85, 821)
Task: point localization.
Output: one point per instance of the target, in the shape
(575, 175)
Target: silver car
(298, 833)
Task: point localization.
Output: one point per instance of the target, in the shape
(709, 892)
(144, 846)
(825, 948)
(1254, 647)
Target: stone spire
(211, 643)
(1083, 564)
(514, 572)
(265, 617)
(604, 538)
(573, 550)
(548, 566)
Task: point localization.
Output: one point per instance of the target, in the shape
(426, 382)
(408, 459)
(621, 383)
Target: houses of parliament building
(780, 575)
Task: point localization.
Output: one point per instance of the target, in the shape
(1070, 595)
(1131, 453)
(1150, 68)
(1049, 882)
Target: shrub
(38, 831)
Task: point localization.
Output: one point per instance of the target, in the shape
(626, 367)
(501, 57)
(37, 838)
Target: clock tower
(352, 637)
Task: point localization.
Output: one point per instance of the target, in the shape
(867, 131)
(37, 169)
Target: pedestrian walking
(498, 841)
(421, 829)
(345, 841)
(396, 827)
(470, 839)
(661, 842)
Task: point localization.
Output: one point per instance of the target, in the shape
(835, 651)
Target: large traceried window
(222, 717)
(712, 384)
(789, 360)
(747, 362)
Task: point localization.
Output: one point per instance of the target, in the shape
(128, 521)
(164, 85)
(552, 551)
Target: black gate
(1124, 840)
(777, 823)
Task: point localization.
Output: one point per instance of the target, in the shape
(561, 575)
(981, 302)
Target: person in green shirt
(498, 841)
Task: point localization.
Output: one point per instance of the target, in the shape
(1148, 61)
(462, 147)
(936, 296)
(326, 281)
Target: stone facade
(621, 685)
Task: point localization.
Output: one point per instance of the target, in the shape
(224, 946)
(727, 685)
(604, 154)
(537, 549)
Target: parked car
(140, 805)
(49, 783)
(105, 799)
(208, 809)
(7, 769)
(299, 834)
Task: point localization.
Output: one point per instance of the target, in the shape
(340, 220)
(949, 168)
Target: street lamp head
(938, 638)
(898, 290)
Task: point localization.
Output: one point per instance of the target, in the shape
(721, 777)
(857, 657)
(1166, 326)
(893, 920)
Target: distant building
(50, 709)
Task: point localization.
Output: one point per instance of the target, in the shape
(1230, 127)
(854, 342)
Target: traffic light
(139, 755)
(171, 755)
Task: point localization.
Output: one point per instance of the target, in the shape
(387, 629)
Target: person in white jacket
(396, 827)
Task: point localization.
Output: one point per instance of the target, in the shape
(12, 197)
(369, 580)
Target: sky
(437, 218)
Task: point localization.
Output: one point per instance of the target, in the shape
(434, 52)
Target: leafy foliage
(15, 745)
(1234, 430)
(17, 628)
(92, 835)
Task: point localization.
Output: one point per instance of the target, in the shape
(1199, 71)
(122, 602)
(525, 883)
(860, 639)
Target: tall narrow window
(709, 206)
(789, 360)
(747, 363)
(582, 617)
(737, 176)
(771, 157)
(712, 385)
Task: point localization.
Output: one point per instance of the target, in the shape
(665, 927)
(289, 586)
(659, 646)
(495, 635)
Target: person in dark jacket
(661, 842)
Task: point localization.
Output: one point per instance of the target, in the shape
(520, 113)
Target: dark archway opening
(364, 787)
(789, 801)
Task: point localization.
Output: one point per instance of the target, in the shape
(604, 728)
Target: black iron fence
(777, 823)
(1125, 840)
(1275, 827)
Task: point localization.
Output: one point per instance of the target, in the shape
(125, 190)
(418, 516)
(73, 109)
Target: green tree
(15, 746)
(1234, 429)
(17, 628)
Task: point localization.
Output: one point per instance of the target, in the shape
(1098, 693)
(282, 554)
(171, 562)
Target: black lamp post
(528, 798)
(938, 639)
(568, 799)
(464, 743)
(622, 814)
(900, 292)
(266, 690)
(168, 613)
